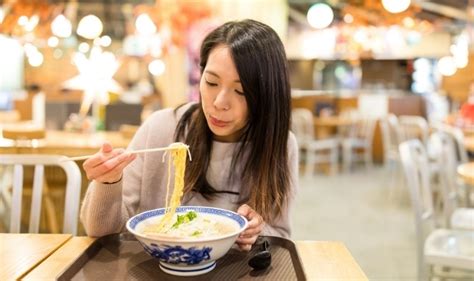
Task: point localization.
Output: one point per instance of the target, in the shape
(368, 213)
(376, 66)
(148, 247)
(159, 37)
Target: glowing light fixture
(320, 15)
(105, 41)
(396, 6)
(23, 20)
(35, 59)
(447, 66)
(144, 25)
(157, 67)
(348, 18)
(83, 47)
(408, 22)
(95, 77)
(53, 41)
(32, 23)
(61, 27)
(90, 27)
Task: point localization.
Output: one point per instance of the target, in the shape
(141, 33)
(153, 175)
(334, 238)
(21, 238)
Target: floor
(368, 211)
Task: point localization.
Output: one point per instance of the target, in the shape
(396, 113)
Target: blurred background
(76, 73)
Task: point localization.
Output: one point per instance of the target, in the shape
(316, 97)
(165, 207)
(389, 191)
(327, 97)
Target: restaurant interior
(382, 108)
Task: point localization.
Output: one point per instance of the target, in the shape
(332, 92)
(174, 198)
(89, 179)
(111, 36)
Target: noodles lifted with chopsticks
(177, 157)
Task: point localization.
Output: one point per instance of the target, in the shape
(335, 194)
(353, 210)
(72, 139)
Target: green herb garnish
(189, 216)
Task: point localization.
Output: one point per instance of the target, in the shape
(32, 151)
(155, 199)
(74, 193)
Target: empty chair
(72, 194)
(416, 127)
(390, 138)
(317, 151)
(413, 127)
(435, 247)
(458, 136)
(357, 143)
(454, 217)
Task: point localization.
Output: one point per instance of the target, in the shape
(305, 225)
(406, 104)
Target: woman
(243, 156)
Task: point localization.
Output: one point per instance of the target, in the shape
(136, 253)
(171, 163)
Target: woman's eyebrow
(216, 75)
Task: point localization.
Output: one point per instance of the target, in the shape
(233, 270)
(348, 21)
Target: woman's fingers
(111, 165)
(106, 152)
(249, 240)
(249, 232)
(107, 165)
(245, 247)
(116, 173)
(255, 225)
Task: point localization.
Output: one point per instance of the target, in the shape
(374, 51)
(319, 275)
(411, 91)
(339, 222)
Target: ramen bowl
(187, 256)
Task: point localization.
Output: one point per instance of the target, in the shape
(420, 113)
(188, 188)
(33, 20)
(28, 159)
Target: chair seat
(355, 143)
(463, 218)
(452, 248)
(321, 144)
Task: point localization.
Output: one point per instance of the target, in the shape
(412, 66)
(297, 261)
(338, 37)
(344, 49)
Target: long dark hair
(261, 63)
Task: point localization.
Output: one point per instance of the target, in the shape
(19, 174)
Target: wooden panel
(457, 86)
(24, 107)
(19, 253)
(323, 260)
(346, 103)
(310, 102)
(55, 264)
(407, 105)
(377, 144)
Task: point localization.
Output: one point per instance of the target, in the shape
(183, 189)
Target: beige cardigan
(107, 207)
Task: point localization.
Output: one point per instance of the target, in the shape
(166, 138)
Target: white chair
(357, 144)
(416, 127)
(413, 127)
(458, 136)
(72, 194)
(435, 247)
(318, 151)
(390, 138)
(454, 217)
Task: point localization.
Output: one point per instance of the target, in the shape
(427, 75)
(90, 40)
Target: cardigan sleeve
(107, 207)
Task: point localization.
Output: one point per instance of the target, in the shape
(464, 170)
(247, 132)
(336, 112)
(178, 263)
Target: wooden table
(322, 260)
(327, 126)
(466, 172)
(19, 253)
(64, 143)
(332, 121)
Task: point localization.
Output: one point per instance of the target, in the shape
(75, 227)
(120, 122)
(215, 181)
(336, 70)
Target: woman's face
(223, 101)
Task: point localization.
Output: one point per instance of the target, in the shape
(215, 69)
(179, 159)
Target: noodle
(178, 156)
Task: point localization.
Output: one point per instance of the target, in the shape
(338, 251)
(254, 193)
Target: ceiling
(450, 14)
(447, 15)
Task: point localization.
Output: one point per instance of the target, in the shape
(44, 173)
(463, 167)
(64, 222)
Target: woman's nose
(221, 101)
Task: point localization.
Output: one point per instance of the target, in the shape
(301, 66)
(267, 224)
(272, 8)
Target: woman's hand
(106, 166)
(255, 226)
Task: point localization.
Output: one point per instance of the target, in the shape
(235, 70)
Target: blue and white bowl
(187, 256)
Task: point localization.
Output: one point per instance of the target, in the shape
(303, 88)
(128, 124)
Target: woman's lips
(218, 123)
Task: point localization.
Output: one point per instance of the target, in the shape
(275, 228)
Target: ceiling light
(348, 18)
(144, 25)
(396, 6)
(320, 15)
(447, 66)
(61, 26)
(53, 41)
(157, 67)
(90, 27)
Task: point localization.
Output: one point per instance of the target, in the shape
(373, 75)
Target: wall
(457, 86)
